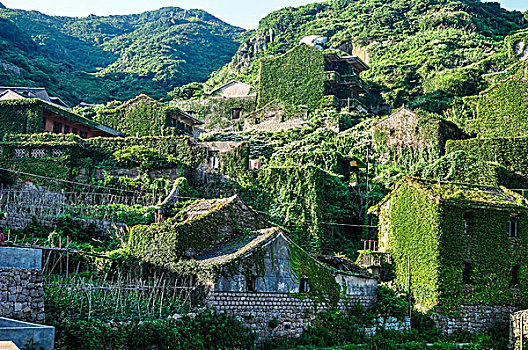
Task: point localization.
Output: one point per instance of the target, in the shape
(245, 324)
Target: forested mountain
(97, 59)
(417, 47)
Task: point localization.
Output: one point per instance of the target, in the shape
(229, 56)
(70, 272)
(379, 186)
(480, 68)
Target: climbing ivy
(427, 224)
(508, 152)
(295, 78)
(501, 111)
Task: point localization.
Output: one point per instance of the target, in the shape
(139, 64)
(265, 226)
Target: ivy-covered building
(465, 244)
(406, 129)
(308, 76)
(246, 266)
(144, 116)
(34, 115)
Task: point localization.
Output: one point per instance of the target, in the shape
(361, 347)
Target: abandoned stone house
(406, 129)
(249, 268)
(223, 108)
(463, 245)
(32, 110)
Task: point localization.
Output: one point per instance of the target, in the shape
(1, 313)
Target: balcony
(351, 80)
(370, 256)
(348, 104)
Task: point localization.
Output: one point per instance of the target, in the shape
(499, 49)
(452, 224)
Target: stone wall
(17, 221)
(272, 315)
(21, 290)
(519, 330)
(475, 319)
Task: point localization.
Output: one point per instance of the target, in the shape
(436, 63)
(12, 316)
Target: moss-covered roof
(458, 193)
(237, 247)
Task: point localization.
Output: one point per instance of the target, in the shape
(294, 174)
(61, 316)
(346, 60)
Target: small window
(66, 129)
(57, 127)
(513, 226)
(74, 131)
(83, 134)
(466, 274)
(514, 272)
(251, 283)
(467, 222)
(304, 287)
(235, 113)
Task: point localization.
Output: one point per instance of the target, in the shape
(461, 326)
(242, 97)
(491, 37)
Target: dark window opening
(304, 287)
(43, 123)
(83, 134)
(257, 120)
(467, 222)
(57, 127)
(74, 131)
(235, 113)
(66, 129)
(514, 272)
(513, 226)
(466, 274)
(251, 283)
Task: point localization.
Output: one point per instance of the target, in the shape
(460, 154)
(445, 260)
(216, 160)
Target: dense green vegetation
(421, 51)
(98, 59)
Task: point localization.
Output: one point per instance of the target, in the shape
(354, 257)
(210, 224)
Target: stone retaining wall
(272, 315)
(475, 319)
(519, 330)
(16, 221)
(21, 290)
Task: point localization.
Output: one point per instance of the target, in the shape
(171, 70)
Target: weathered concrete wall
(474, 319)
(27, 335)
(17, 221)
(21, 290)
(278, 277)
(272, 315)
(519, 330)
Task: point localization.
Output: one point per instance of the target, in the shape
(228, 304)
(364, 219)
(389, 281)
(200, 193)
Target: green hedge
(501, 111)
(463, 168)
(205, 331)
(183, 148)
(511, 153)
(295, 78)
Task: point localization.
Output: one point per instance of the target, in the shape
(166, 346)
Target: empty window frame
(57, 127)
(513, 226)
(251, 284)
(466, 273)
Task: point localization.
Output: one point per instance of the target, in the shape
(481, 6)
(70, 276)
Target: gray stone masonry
(21, 291)
(519, 330)
(21, 221)
(272, 315)
(22, 295)
(475, 319)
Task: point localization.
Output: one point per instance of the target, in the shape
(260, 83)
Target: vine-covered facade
(464, 244)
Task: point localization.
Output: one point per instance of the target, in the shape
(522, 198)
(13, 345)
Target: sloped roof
(450, 192)
(232, 82)
(404, 111)
(237, 247)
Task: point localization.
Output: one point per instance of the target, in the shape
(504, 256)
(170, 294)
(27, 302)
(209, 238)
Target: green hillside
(415, 47)
(98, 59)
